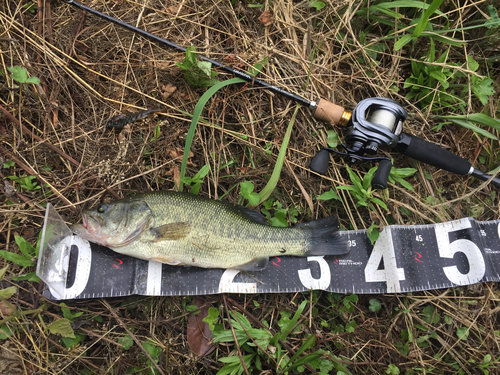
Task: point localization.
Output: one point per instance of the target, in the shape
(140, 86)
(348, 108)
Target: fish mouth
(84, 220)
(90, 229)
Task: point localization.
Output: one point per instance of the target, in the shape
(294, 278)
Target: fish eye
(102, 208)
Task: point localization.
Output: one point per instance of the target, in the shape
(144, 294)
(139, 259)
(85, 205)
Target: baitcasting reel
(378, 123)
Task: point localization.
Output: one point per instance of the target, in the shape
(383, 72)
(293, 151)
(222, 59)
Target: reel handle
(319, 163)
(381, 176)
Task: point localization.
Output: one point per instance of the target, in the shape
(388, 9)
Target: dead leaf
(5, 309)
(177, 153)
(178, 10)
(177, 176)
(266, 18)
(10, 363)
(198, 332)
(167, 90)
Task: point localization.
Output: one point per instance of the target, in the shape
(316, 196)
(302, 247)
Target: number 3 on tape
(391, 274)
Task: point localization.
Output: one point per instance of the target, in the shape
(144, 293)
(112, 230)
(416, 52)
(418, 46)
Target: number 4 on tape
(391, 274)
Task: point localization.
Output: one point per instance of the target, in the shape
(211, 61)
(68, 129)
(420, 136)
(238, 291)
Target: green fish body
(185, 229)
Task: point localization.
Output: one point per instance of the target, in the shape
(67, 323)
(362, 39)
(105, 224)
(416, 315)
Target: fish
(178, 228)
(119, 121)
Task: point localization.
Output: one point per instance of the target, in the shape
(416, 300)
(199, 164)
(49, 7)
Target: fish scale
(185, 229)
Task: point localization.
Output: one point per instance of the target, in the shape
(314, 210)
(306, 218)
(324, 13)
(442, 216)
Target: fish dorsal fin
(171, 231)
(252, 215)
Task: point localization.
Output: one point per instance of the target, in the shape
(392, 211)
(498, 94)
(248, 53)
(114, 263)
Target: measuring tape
(405, 258)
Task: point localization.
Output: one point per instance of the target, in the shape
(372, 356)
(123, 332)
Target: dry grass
(91, 70)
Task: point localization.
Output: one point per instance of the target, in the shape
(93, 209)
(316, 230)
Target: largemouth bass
(185, 229)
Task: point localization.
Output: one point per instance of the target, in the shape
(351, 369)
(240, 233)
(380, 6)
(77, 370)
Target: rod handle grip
(430, 153)
(332, 113)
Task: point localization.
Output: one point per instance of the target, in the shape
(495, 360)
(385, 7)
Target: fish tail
(324, 237)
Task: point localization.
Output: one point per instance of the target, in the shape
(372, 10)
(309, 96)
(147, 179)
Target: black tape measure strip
(404, 259)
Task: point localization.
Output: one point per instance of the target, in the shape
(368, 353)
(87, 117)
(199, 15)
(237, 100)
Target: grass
(55, 149)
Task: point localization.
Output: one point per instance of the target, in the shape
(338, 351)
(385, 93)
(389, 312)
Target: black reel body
(378, 123)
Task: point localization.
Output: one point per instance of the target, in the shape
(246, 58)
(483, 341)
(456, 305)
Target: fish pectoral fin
(171, 231)
(257, 264)
(169, 261)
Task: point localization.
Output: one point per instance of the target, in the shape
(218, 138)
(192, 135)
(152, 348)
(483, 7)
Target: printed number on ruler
(448, 249)
(391, 274)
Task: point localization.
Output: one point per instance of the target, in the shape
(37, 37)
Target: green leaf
(8, 164)
(253, 71)
(379, 202)
(478, 118)
(404, 183)
(483, 89)
(354, 179)
(326, 196)
(494, 20)
(425, 18)
(2, 272)
(5, 332)
(240, 321)
(349, 327)
(317, 4)
(196, 117)
(373, 233)
(211, 318)
(18, 73)
(7, 292)
(463, 333)
(473, 64)
(469, 125)
(392, 370)
(62, 327)
(293, 322)
(26, 248)
(28, 277)
(402, 172)
(332, 139)
(273, 181)
(17, 259)
(33, 80)
(402, 42)
(430, 315)
(153, 350)
(126, 342)
(246, 191)
(375, 305)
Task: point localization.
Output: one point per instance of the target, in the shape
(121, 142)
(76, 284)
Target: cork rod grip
(329, 112)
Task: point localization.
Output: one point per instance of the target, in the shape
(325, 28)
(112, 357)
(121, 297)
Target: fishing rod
(373, 124)
(322, 109)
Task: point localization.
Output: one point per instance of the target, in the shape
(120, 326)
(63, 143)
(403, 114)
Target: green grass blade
(478, 118)
(425, 18)
(469, 125)
(293, 322)
(273, 181)
(196, 116)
